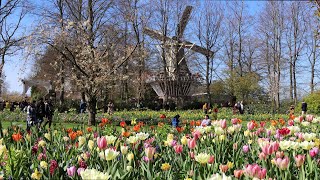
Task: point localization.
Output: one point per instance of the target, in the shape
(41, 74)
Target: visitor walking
(48, 112)
(31, 115)
(40, 112)
(83, 106)
(304, 108)
(110, 108)
(205, 108)
(241, 108)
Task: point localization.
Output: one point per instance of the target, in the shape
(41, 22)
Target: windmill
(179, 83)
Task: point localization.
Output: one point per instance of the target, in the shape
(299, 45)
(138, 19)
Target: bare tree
(295, 35)
(209, 33)
(12, 13)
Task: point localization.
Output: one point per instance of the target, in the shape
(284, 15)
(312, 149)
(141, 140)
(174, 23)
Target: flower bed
(280, 149)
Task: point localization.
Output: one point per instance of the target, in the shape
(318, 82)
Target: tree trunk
(291, 79)
(208, 79)
(92, 104)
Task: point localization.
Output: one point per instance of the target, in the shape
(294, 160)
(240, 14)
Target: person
(205, 108)
(175, 121)
(304, 108)
(241, 108)
(48, 112)
(31, 115)
(40, 111)
(110, 108)
(206, 121)
(83, 106)
(291, 110)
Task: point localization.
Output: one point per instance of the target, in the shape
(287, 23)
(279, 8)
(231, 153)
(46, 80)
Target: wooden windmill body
(178, 83)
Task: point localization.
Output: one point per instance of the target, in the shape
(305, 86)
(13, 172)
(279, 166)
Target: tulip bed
(228, 149)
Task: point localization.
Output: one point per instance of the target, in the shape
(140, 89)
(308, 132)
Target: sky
(17, 68)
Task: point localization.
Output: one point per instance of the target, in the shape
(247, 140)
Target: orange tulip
(179, 129)
(192, 123)
(291, 116)
(274, 123)
(125, 134)
(89, 129)
(69, 130)
(140, 124)
(104, 120)
(101, 124)
(73, 135)
(152, 127)
(160, 124)
(79, 133)
(282, 122)
(198, 123)
(17, 137)
(136, 128)
(123, 124)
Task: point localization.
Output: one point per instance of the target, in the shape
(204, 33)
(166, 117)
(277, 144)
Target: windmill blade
(156, 35)
(197, 48)
(183, 22)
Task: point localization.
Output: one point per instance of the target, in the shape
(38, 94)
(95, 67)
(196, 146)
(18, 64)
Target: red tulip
(192, 143)
(178, 148)
(211, 160)
(238, 173)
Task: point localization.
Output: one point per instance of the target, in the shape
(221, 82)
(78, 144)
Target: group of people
(304, 108)
(205, 122)
(37, 111)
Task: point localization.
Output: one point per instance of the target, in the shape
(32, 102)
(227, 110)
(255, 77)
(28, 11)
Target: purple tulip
(71, 171)
(245, 148)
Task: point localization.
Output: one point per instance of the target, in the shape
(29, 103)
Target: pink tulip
(250, 125)
(234, 121)
(279, 154)
(146, 159)
(267, 149)
(275, 146)
(211, 160)
(235, 146)
(290, 122)
(314, 151)
(255, 171)
(192, 143)
(150, 152)
(80, 170)
(196, 134)
(262, 156)
(102, 142)
(282, 163)
(299, 159)
(191, 154)
(178, 148)
(223, 124)
(223, 168)
(71, 171)
(309, 117)
(238, 173)
(245, 148)
(301, 118)
(173, 143)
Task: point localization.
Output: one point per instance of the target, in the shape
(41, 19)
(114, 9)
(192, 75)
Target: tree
(209, 33)
(12, 13)
(89, 42)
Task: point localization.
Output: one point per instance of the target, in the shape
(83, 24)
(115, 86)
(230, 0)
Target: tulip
(196, 134)
(184, 140)
(299, 159)
(223, 168)
(102, 142)
(90, 144)
(191, 154)
(192, 143)
(178, 148)
(80, 170)
(279, 154)
(238, 173)
(211, 160)
(245, 148)
(234, 121)
(202, 158)
(290, 122)
(282, 163)
(124, 149)
(223, 124)
(314, 151)
(235, 146)
(255, 171)
(250, 125)
(262, 156)
(71, 171)
(150, 152)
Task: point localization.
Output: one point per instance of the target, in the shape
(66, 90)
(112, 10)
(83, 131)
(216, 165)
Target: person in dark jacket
(304, 108)
(48, 112)
(175, 121)
(40, 111)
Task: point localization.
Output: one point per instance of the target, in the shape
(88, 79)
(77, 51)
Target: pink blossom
(191, 154)
(309, 117)
(262, 156)
(102, 142)
(245, 148)
(314, 151)
(299, 159)
(192, 143)
(211, 160)
(80, 170)
(71, 171)
(290, 122)
(282, 163)
(223, 124)
(255, 171)
(250, 125)
(196, 134)
(178, 148)
(234, 121)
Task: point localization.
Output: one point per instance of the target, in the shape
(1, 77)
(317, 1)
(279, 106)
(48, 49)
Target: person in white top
(206, 121)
